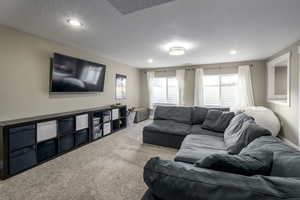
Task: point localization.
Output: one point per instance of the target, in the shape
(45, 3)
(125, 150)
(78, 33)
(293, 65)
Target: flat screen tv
(75, 75)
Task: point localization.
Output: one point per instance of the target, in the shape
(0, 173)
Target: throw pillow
(248, 165)
(217, 120)
(199, 114)
(241, 131)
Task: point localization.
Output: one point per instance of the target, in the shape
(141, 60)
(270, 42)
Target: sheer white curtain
(245, 89)
(150, 77)
(180, 76)
(198, 93)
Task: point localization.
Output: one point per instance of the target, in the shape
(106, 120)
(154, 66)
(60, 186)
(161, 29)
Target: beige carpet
(108, 169)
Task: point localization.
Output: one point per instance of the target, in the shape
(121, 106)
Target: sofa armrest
(170, 180)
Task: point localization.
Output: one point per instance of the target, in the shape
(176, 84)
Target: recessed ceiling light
(74, 22)
(150, 60)
(233, 52)
(176, 51)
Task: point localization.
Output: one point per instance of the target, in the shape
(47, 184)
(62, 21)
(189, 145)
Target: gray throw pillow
(217, 120)
(241, 131)
(248, 165)
(199, 114)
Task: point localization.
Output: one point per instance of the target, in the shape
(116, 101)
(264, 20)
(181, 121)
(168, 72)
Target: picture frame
(121, 86)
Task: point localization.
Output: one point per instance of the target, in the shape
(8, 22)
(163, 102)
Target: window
(164, 90)
(220, 90)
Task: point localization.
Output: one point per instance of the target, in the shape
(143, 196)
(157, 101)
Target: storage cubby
(65, 126)
(82, 122)
(81, 137)
(106, 128)
(22, 136)
(46, 149)
(22, 159)
(46, 130)
(97, 131)
(115, 114)
(66, 143)
(106, 116)
(116, 124)
(123, 122)
(123, 112)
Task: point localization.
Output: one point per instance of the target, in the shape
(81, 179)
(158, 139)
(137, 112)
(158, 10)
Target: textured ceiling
(130, 6)
(211, 28)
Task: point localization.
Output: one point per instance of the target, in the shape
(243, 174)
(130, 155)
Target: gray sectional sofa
(242, 162)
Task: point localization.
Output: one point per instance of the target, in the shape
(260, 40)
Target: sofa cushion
(196, 147)
(179, 114)
(285, 158)
(242, 131)
(169, 126)
(198, 130)
(217, 120)
(199, 114)
(249, 165)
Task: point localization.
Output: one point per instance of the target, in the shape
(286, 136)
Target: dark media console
(26, 143)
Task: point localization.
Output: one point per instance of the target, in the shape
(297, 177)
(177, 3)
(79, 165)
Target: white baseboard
(289, 143)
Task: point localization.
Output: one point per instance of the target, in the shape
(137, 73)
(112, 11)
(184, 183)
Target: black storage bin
(22, 159)
(46, 150)
(82, 137)
(65, 126)
(66, 143)
(21, 137)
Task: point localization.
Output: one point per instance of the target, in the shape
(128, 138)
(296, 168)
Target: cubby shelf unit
(26, 143)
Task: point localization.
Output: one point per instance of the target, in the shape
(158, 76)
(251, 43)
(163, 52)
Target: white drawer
(106, 128)
(115, 114)
(46, 130)
(82, 122)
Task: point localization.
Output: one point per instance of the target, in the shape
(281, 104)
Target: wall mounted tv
(75, 75)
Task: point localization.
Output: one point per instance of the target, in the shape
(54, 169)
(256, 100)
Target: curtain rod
(193, 68)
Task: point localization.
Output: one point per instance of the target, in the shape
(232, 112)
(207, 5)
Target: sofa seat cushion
(169, 126)
(198, 130)
(179, 114)
(196, 147)
(286, 164)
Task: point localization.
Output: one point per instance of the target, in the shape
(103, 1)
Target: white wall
(24, 78)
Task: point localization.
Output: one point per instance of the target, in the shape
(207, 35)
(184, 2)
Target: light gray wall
(258, 73)
(24, 78)
(289, 116)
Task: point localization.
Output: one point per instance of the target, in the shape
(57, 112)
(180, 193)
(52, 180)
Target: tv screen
(70, 74)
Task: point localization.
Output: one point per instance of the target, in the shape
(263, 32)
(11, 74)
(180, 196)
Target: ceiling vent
(130, 6)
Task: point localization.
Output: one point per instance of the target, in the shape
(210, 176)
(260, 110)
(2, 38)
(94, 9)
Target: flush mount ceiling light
(74, 22)
(177, 51)
(233, 52)
(150, 60)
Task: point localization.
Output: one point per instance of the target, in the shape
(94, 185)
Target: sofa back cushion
(199, 113)
(286, 160)
(259, 163)
(179, 114)
(217, 120)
